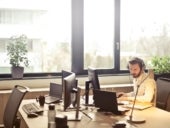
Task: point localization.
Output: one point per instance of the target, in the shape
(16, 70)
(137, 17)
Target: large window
(75, 34)
(47, 24)
(99, 34)
(145, 29)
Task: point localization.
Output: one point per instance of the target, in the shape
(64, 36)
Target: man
(147, 85)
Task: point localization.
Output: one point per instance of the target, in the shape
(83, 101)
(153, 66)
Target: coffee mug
(41, 100)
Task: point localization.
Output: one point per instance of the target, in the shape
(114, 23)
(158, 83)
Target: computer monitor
(93, 78)
(71, 95)
(64, 74)
(70, 89)
(93, 83)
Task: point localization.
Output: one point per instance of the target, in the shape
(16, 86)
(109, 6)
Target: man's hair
(136, 60)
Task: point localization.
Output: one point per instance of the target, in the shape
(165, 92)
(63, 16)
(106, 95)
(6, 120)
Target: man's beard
(136, 76)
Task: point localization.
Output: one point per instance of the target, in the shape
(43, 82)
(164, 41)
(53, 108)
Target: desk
(155, 118)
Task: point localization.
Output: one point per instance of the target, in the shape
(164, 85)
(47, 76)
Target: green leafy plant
(161, 65)
(17, 51)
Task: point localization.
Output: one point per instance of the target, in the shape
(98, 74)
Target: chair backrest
(163, 90)
(13, 104)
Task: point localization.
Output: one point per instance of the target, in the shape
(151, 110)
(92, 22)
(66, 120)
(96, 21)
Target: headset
(136, 60)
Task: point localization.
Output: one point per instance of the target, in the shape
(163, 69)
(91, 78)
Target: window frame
(78, 39)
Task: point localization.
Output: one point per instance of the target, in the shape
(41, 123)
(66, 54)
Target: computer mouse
(32, 115)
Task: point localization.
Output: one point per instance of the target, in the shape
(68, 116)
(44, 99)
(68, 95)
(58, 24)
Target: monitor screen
(93, 78)
(70, 88)
(55, 90)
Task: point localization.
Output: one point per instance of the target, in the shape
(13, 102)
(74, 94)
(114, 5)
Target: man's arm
(148, 94)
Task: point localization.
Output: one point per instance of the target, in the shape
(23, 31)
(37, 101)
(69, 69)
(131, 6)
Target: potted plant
(17, 52)
(161, 66)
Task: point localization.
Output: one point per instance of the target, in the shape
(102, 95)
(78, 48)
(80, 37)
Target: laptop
(55, 94)
(107, 102)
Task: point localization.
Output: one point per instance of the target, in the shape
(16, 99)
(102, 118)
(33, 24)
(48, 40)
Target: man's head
(136, 66)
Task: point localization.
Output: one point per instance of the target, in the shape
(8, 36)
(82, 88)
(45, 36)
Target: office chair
(163, 91)
(10, 118)
(168, 103)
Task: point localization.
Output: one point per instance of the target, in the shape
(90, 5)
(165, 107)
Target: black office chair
(163, 91)
(168, 103)
(10, 118)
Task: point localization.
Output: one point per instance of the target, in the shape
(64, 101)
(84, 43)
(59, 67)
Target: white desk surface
(155, 118)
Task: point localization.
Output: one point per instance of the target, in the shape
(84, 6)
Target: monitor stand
(88, 98)
(75, 116)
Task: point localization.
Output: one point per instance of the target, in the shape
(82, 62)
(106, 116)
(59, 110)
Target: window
(99, 34)
(75, 34)
(47, 24)
(145, 29)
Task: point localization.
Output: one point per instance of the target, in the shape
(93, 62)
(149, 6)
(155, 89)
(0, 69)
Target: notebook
(139, 106)
(107, 101)
(55, 93)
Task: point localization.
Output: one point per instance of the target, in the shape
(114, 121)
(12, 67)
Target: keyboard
(32, 108)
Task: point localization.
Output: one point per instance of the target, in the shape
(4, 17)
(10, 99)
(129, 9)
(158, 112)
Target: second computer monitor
(93, 78)
(71, 96)
(93, 83)
(70, 88)
(64, 74)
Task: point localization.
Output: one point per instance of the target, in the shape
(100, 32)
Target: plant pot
(17, 72)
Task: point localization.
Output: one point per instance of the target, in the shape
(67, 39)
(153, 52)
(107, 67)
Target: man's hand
(120, 94)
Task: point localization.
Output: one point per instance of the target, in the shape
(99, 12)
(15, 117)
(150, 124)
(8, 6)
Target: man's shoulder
(150, 81)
